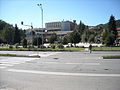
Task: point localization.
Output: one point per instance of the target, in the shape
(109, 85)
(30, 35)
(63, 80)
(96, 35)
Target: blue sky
(90, 12)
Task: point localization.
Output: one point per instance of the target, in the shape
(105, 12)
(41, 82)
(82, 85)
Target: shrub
(16, 45)
(24, 43)
(52, 46)
(11, 47)
(60, 46)
(42, 46)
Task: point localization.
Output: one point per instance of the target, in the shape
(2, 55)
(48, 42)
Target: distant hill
(104, 26)
(3, 24)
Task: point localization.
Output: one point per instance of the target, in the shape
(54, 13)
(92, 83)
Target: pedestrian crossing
(11, 61)
(44, 54)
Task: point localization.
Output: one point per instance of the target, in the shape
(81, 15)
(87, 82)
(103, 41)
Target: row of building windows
(53, 25)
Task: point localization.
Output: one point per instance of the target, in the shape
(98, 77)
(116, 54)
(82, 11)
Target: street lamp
(40, 5)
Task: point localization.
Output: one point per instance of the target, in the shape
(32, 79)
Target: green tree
(22, 34)
(88, 36)
(8, 34)
(53, 38)
(81, 27)
(112, 31)
(17, 37)
(85, 36)
(109, 40)
(3, 24)
(74, 37)
(24, 43)
(112, 25)
(37, 41)
(104, 34)
(91, 38)
(65, 40)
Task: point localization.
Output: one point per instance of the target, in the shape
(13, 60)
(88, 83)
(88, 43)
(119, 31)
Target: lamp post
(40, 5)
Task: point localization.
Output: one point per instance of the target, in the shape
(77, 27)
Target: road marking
(69, 63)
(2, 67)
(7, 62)
(64, 73)
(85, 63)
(46, 54)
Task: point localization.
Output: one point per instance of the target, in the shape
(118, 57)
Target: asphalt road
(60, 71)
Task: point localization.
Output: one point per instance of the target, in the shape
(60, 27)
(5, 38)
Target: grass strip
(112, 57)
(42, 49)
(106, 48)
(15, 55)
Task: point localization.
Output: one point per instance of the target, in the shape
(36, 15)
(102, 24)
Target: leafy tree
(1, 36)
(3, 24)
(8, 34)
(37, 41)
(85, 36)
(91, 38)
(109, 40)
(22, 34)
(24, 43)
(60, 46)
(17, 37)
(74, 37)
(53, 38)
(88, 36)
(81, 28)
(65, 40)
(104, 35)
(112, 25)
(112, 31)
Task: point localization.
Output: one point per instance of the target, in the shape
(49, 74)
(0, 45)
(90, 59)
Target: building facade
(60, 26)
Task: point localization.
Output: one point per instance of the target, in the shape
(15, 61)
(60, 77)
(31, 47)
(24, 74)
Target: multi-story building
(60, 26)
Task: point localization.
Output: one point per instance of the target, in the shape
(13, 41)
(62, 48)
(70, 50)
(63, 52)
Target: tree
(22, 34)
(17, 37)
(24, 43)
(112, 30)
(91, 38)
(52, 38)
(81, 28)
(37, 41)
(65, 40)
(85, 36)
(112, 25)
(74, 37)
(3, 24)
(109, 40)
(104, 34)
(8, 34)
